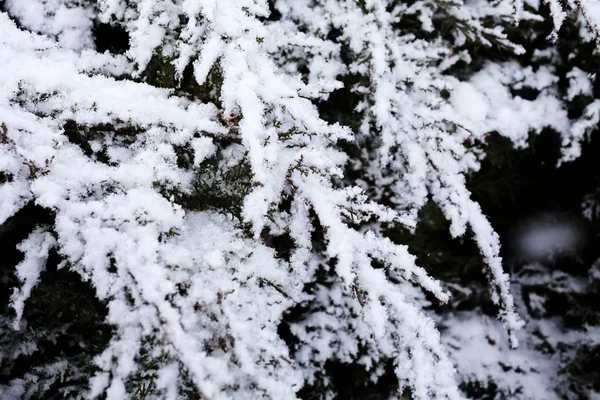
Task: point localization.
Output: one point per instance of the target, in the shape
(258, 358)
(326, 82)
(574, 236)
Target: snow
(469, 103)
(538, 368)
(70, 23)
(36, 248)
(478, 348)
(579, 83)
(203, 293)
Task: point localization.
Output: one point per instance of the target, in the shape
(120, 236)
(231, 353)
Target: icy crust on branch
(36, 248)
(591, 12)
(219, 325)
(420, 136)
(333, 330)
(44, 87)
(487, 103)
(187, 289)
(588, 9)
(289, 152)
(304, 164)
(113, 227)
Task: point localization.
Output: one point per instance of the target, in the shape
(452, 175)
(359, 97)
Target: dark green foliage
(352, 382)
(111, 38)
(63, 315)
(584, 370)
(480, 390)
(220, 187)
(160, 72)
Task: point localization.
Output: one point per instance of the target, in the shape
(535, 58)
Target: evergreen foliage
(299, 198)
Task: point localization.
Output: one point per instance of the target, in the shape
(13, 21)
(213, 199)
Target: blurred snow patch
(549, 236)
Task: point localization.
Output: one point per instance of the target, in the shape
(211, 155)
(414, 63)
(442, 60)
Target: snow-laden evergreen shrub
(202, 184)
